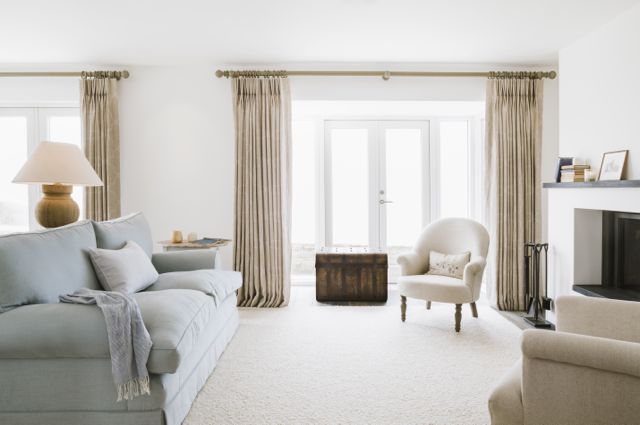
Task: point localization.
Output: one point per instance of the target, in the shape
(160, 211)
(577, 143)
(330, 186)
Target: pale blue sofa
(54, 358)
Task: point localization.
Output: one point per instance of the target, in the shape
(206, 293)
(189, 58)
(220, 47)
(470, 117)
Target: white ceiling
(148, 32)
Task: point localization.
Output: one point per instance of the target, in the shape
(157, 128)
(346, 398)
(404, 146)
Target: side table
(187, 246)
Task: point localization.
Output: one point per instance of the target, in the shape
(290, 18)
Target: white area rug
(318, 364)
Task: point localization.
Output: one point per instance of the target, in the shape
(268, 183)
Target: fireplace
(620, 258)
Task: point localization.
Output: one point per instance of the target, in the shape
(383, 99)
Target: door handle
(382, 202)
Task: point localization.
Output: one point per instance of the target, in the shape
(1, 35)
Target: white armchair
(448, 236)
(587, 372)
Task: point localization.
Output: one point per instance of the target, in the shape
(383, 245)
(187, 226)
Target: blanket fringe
(133, 388)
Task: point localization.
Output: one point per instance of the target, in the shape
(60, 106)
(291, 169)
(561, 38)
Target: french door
(377, 183)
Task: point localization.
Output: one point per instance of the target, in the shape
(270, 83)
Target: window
(303, 205)
(454, 168)
(21, 129)
(377, 179)
(14, 198)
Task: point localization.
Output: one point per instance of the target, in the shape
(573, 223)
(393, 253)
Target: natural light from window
(373, 174)
(14, 198)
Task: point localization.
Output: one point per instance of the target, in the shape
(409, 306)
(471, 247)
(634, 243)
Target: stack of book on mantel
(573, 173)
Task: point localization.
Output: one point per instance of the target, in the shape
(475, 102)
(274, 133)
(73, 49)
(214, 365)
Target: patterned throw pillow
(451, 265)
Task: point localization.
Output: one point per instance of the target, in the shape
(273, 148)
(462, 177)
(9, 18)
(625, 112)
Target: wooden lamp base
(57, 208)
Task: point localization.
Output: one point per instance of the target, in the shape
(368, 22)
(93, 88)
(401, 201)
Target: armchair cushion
(451, 265)
(435, 288)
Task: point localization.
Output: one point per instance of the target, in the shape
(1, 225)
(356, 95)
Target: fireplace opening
(620, 258)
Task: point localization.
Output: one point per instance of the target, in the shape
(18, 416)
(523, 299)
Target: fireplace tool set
(533, 269)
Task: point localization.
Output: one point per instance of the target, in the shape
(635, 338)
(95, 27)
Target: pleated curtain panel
(262, 249)
(101, 144)
(512, 181)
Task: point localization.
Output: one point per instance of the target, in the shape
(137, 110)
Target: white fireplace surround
(575, 233)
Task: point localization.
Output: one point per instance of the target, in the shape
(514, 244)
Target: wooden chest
(351, 274)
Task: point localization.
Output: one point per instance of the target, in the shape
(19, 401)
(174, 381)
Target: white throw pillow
(451, 265)
(125, 270)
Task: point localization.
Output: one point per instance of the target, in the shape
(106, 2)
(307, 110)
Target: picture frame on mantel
(613, 165)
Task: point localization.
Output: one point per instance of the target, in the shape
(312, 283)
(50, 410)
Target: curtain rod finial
(219, 73)
(553, 75)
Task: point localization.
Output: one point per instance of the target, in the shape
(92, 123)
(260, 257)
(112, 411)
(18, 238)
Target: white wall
(177, 151)
(600, 93)
(177, 142)
(599, 110)
(178, 147)
(39, 92)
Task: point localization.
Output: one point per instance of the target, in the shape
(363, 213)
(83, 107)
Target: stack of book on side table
(573, 173)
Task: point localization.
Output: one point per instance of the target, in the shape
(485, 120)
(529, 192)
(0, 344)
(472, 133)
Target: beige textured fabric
(101, 145)
(262, 252)
(584, 315)
(571, 378)
(505, 402)
(436, 288)
(512, 182)
(446, 235)
(578, 379)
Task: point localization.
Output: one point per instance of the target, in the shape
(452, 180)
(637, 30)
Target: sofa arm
(599, 317)
(573, 379)
(411, 264)
(581, 350)
(182, 261)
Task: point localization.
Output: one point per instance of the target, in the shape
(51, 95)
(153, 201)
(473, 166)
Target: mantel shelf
(586, 185)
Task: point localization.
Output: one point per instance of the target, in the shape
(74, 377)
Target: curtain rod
(386, 75)
(83, 74)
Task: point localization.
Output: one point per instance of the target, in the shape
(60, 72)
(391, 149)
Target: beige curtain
(101, 144)
(512, 180)
(262, 253)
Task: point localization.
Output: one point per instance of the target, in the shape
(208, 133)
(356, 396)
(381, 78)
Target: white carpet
(317, 364)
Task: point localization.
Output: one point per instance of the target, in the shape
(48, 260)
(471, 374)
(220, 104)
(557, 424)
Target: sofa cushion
(37, 267)
(217, 283)
(113, 234)
(125, 270)
(174, 318)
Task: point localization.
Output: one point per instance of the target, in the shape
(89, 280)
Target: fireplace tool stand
(536, 304)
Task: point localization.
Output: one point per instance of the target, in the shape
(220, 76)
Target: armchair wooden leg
(428, 305)
(403, 307)
(458, 316)
(474, 310)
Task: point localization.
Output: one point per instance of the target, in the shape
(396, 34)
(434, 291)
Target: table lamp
(58, 167)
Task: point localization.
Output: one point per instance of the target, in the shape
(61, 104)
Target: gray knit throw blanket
(129, 341)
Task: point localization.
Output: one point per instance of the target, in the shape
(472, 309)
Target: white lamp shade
(54, 162)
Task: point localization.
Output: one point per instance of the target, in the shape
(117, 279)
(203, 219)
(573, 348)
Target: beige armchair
(588, 372)
(448, 236)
